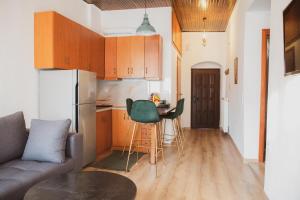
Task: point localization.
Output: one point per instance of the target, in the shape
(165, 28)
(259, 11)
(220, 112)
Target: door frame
(178, 79)
(191, 97)
(263, 95)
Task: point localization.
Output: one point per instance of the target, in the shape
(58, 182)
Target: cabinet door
(56, 41)
(153, 57)
(111, 58)
(66, 43)
(86, 38)
(104, 132)
(101, 56)
(97, 55)
(124, 57)
(120, 129)
(137, 57)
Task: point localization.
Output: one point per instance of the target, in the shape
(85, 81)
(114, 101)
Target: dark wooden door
(205, 111)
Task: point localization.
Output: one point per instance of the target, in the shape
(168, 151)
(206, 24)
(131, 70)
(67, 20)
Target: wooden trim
(263, 95)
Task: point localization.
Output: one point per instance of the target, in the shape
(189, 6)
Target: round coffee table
(84, 185)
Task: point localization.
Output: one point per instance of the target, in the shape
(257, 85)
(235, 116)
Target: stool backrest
(179, 107)
(144, 111)
(129, 103)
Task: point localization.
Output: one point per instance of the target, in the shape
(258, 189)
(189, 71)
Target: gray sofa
(16, 175)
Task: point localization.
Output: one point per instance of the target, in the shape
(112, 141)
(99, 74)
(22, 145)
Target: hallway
(211, 169)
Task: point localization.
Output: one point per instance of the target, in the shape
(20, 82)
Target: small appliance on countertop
(103, 103)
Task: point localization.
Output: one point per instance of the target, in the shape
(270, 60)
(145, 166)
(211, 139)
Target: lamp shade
(145, 28)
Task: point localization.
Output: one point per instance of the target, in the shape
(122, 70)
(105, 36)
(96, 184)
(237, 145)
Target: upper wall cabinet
(176, 33)
(98, 56)
(124, 57)
(60, 43)
(130, 57)
(137, 56)
(111, 58)
(153, 57)
(56, 41)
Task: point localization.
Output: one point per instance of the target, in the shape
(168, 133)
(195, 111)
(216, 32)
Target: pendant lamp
(145, 28)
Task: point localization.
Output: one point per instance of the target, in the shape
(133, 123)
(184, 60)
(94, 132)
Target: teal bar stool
(145, 112)
(129, 103)
(177, 130)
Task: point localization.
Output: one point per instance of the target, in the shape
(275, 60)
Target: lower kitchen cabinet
(122, 128)
(103, 132)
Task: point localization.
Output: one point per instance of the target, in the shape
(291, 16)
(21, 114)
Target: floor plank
(211, 169)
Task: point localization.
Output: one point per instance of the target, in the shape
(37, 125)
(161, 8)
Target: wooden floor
(211, 169)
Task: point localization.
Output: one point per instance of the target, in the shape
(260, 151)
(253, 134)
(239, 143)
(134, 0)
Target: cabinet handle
(146, 70)
(128, 71)
(124, 116)
(131, 70)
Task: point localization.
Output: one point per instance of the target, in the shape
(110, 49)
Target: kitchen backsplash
(116, 92)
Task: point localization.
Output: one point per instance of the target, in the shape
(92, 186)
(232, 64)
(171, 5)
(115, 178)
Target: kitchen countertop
(102, 109)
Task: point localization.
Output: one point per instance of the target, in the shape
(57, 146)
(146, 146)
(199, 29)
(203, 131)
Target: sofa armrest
(74, 149)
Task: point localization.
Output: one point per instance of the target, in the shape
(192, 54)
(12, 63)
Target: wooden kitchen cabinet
(153, 57)
(122, 128)
(124, 57)
(131, 57)
(137, 54)
(176, 33)
(56, 41)
(111, 58)
(60, 43)
(97, 55)
(85, 49)
(104, 132)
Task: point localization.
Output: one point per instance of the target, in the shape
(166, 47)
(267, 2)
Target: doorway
(264, 94)
(205, 98)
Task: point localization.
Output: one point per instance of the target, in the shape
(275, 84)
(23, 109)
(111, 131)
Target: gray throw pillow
(47, 141)
(13, 137)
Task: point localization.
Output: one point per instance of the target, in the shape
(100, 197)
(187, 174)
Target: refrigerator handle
(76, 105)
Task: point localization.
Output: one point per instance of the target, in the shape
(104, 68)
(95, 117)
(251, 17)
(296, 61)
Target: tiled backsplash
(116, 92)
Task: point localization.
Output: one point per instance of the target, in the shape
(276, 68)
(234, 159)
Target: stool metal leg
(156, 149)
(128, 131)
(179, 134)
(130, 146)
(176, 138)
(181, 130)
(162, 143)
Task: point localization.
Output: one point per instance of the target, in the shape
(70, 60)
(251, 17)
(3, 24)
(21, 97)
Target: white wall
(236, 31)
(244, 40)
(282, 174)
(211, 56)
(255, 22)
(18, 78)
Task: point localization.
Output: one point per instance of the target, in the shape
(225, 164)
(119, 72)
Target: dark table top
(84, 185)
(164, 111)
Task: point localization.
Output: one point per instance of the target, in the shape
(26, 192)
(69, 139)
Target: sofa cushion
(17, 176)
(13, 137)
(47, 141)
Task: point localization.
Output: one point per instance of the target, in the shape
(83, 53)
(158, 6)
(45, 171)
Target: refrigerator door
(87, 126)
(86, 87)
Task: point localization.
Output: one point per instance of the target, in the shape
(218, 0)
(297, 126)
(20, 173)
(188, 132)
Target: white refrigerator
(71, 94)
